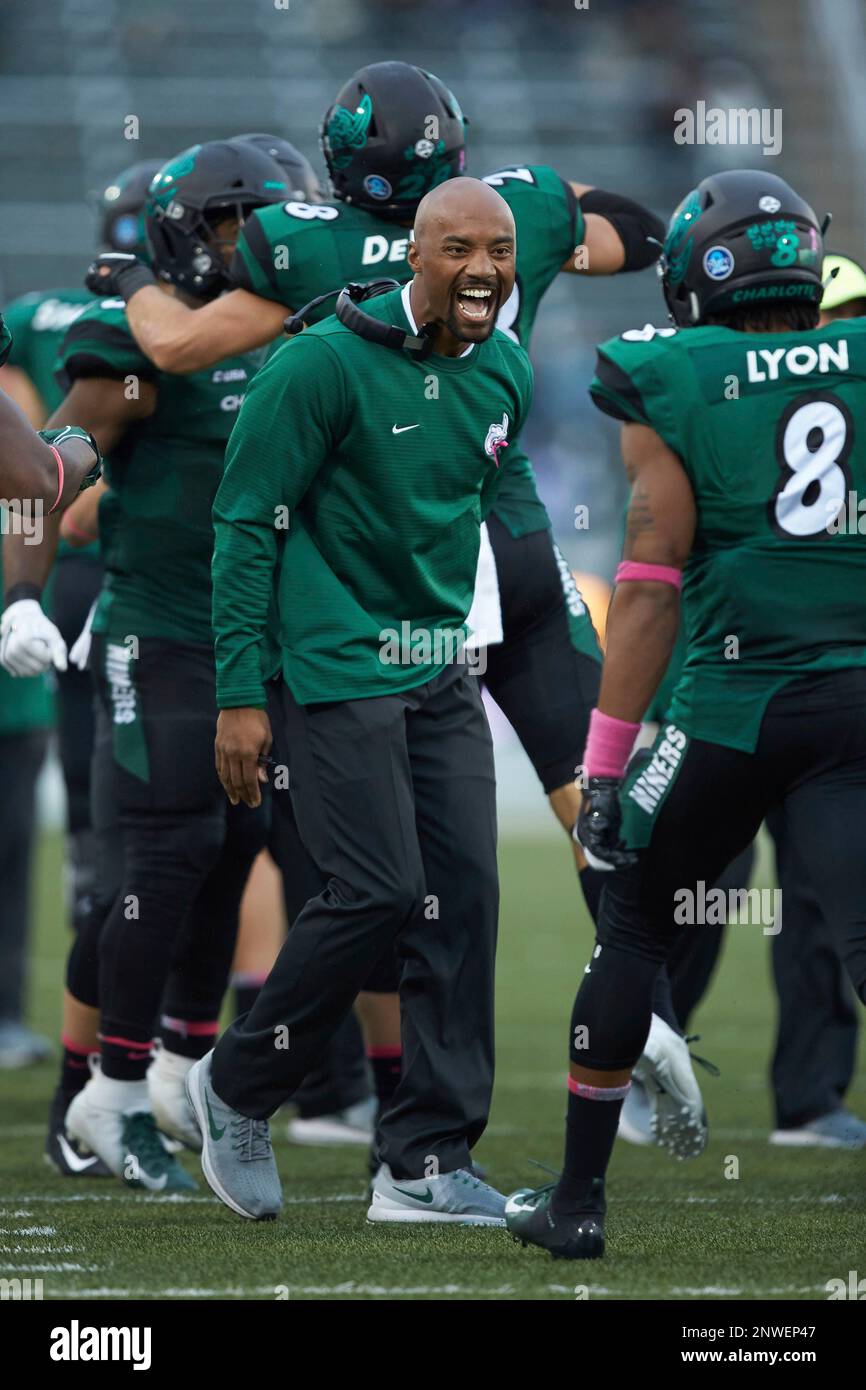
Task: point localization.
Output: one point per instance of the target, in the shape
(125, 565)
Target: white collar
(407, 310)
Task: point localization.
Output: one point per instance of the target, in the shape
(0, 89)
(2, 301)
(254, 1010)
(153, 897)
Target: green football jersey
(365, 507)
(155, 526)
(39, 322)
(292, 252)
(767, 427)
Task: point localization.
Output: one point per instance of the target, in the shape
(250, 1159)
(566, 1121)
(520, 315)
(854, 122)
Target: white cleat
(354, 1125)
(458, 1198)
(166, 1086)
(678, 1120)
(98, 1127)
(635, 1118)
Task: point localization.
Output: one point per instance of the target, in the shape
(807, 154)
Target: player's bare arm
(30, 640)
(79, 525)
(20, 389)
(644, 614)
(179, 339)
(29, 466)
(619, 234)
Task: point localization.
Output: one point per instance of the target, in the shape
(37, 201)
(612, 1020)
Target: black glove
(598, 826)
(117, 275)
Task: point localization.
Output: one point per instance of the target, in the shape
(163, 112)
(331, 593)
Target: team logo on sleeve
(497, 438)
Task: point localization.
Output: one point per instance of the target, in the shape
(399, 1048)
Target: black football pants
(810, 760)
(394, 798)
(173, 861)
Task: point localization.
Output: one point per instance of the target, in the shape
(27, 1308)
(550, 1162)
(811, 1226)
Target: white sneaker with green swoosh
(458, 1197)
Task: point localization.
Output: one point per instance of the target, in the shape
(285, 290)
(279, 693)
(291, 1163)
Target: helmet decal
(164, 185)
(347, 131)
(678, 242)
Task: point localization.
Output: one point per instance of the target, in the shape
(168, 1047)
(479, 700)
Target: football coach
(347, 536)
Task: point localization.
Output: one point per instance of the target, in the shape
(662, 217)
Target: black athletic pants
(395, 800)
(339, 1078)
(176, 857)
(21, 757)
(810, 760)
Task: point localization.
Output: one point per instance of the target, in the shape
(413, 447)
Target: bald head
(463, 257)
(456, 202)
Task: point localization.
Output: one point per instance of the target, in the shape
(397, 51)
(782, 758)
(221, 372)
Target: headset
(418, 345)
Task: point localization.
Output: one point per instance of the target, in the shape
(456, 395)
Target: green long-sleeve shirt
(347, 521)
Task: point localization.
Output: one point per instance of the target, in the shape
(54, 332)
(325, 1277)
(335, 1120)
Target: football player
(39, 321)
(740, 439)
(172, 863)
(393, 132)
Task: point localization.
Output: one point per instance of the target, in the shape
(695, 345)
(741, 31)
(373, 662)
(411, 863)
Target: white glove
(79, 652)
(29, 641)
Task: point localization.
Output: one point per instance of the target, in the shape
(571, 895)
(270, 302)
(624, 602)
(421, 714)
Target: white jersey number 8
(813, 443)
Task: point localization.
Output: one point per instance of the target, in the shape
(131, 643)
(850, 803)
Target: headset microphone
(419, 345)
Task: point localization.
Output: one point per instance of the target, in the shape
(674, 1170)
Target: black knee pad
(81, 875)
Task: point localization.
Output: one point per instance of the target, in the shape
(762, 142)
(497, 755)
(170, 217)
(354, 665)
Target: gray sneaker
(838, 1129)
(20, 1046)
(236, 1157)
(454, 1197)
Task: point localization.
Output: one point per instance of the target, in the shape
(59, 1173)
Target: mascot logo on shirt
(497, 438)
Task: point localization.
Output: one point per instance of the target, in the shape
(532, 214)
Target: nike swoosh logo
(215, 1132)
(401, 429)
(75, 1162)
(425, 1197)
(153, 1184)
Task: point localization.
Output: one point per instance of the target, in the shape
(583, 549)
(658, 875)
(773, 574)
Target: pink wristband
(659, 574)
(59, 461)
(608, 745)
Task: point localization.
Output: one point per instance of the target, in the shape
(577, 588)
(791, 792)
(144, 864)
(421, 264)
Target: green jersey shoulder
(767, 427)
(38, 323)
(293, 251)
(99, 343)
(549, 225)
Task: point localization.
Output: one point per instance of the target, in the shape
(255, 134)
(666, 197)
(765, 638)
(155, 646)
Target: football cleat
(166, 1087)
(678, 1120)
(236, 1158)
(458, 1198)
(577, 1235)
(635, 1118)
(65, 1155)
(354, 1125)
(126, 1140)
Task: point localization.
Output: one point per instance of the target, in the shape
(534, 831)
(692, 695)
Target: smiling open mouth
(476, 303)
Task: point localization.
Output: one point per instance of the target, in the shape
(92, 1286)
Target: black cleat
(65, 1155)
(577, 1235)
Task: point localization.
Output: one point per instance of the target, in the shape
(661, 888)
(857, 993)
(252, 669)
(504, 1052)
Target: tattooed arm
(643, 619)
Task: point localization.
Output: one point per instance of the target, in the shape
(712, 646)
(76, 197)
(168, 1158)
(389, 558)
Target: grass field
(786, 1225)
